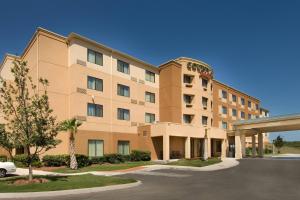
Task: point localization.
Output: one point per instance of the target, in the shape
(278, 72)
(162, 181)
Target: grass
(195, 162)
(61, 183)
(287, 149)
(103, 167)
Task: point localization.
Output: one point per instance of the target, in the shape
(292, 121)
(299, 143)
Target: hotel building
(175, 110)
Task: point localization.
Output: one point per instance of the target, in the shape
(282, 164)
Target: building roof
(267, 119)
(232, 88)
(80, 37)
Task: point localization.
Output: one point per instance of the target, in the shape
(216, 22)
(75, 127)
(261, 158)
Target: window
(233, 98)
(123, 90)
(149, 117)
(123, 147)
(150, 76)
(224, 125)
(187, 98)
(150, 97)
(95, 57)
(224, 94)
(187, 119)
(249, 116)
(204, 82)
(249, 104)
(187, 79)
(243, 101)
(123, 67)
(234, 113)
(204, 120)
(95, 148)
(242, 115)
(123, 114)
(204, 102)
(94, 110)
(256, 106)
(224, 110)
(94, 83)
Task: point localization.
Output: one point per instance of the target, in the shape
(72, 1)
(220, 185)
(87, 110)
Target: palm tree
(71, 126)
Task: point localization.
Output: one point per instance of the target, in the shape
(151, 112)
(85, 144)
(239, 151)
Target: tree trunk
(30, 174)
(73, 161)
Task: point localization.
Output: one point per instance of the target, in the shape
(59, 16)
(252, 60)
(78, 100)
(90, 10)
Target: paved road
(253, 179)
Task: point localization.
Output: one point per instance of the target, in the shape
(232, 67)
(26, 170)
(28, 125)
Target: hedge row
(82, 160)
(3, 158)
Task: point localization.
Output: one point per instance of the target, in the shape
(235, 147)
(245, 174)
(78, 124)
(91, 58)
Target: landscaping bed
(195, 162)
(101, 167)
(54, 183)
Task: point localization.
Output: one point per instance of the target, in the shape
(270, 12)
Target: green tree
(278, 143)
(27, 114)
(71, 126)
(6, 141)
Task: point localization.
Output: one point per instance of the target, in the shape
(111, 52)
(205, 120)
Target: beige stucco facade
(186, 122)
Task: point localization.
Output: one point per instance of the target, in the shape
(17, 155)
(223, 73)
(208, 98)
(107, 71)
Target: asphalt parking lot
(253, 179)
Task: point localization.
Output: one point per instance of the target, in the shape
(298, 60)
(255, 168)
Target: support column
(260, 145)
(166, 147)
(205, 148)
(238, 150)
(188, 148)
(237, 144)
(243, 145)
(223, 153)
(253, 146)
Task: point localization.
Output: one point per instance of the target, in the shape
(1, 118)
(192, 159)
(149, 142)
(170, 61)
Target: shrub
(82, 160)
(22, 161)
(137, 155)
(114, 158)
(248, 151)
(3, 158)
(268, 151)
(56, 160)
(97, 160)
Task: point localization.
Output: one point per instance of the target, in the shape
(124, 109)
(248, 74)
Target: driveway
(253, 179)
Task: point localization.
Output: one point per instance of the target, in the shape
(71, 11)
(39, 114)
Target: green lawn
(62, 183)
(195, 162)
(104, 167)
(288, 149)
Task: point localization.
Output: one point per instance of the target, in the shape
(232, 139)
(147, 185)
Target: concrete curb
(67, 192)
(226, 163)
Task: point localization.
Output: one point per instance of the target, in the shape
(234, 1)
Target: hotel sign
(203, 70)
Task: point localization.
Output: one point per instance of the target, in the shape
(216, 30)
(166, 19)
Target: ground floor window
(123, 147)
(95, 148)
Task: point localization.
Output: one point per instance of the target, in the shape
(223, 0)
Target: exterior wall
(218, 102)
(170, 98)
(198, 91)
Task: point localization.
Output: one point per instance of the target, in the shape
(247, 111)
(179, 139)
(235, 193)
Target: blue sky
(252, 45)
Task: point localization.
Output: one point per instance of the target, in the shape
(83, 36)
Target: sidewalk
(226, 163)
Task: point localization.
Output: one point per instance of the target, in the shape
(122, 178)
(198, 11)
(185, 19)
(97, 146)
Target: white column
(243, 145)
(205, 148)
(223, 153)
(188, 148)
(260, 145)
(166, 147)
(253, 146)
(238, 148)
